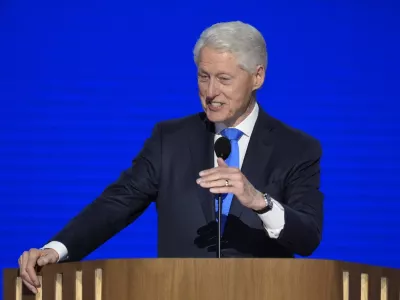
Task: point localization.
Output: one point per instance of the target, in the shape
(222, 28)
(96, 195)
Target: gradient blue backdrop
(82, 83)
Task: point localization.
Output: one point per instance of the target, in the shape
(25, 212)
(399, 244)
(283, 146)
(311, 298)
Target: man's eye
(224, 79)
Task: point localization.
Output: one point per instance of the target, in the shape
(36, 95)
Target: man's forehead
(218, 66)
(208, 54)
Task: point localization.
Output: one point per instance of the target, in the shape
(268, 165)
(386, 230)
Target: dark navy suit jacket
(280, 160)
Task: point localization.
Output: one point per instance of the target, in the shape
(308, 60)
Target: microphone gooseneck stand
(222, 148)
(219, 226)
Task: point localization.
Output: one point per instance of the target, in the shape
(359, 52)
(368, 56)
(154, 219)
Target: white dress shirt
(273, 221)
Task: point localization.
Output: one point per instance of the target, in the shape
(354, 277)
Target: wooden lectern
(207, 279)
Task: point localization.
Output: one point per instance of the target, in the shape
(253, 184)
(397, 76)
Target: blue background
(82, 83)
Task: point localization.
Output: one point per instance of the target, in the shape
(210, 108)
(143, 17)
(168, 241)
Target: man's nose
(212, 88)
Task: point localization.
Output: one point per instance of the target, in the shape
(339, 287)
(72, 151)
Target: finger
(212, 177)
(217, 169)
(30, 267)
(226, 174)
(43, 260)
(30, 286)
(220, 170)
(47, 258)
(24, 262)
(215, 183)
(221, 162)
(223, 190)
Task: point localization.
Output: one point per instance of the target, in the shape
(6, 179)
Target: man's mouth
(216, 104)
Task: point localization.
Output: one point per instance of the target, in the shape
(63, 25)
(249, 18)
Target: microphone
(222, 148)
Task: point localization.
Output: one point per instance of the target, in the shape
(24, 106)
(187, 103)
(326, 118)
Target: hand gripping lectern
(207, 279)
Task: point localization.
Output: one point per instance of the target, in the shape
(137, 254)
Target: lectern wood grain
(199, 279)
(231, 279)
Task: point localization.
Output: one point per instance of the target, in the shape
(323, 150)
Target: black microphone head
(222, 147)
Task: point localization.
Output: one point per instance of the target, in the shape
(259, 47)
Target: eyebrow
(218, 74)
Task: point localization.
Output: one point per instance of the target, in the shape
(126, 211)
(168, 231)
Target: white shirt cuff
(59, 248)
(274, 220)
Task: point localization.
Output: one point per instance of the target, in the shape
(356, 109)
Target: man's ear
(258, 77)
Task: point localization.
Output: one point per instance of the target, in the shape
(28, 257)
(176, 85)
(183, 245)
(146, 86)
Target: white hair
(241, 39)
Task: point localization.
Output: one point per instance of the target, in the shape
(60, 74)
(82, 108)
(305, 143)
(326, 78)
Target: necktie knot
(232, 134)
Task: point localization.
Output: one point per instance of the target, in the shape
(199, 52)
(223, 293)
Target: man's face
(225, 89)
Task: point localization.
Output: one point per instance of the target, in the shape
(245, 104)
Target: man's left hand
(224, 179)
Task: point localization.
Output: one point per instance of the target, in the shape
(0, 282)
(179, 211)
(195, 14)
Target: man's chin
(215, 117)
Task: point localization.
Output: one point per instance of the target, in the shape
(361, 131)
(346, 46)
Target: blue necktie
(233, 135)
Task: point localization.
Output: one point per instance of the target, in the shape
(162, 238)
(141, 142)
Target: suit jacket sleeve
(119, 204)
(304, 204)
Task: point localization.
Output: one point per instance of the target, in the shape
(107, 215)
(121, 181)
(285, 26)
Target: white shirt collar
(246, 126)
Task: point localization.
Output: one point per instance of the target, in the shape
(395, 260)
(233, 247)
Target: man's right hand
(28, 261)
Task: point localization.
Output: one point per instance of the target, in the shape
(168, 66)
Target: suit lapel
(201, 146)
(256, 158)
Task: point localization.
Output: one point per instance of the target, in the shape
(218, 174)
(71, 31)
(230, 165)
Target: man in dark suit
(272, 206)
